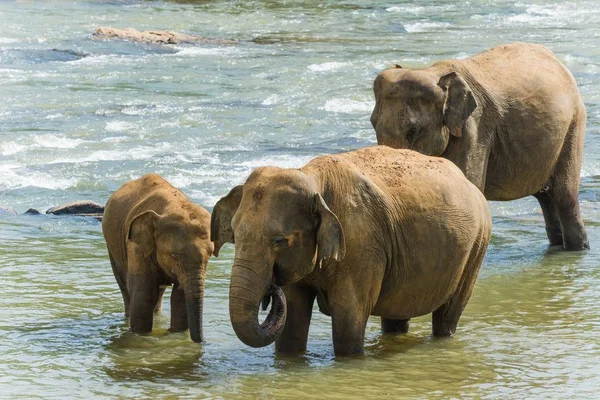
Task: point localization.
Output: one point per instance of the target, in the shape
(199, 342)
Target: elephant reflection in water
(130, 356)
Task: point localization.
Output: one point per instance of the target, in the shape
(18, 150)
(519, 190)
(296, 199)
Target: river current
(80, 116)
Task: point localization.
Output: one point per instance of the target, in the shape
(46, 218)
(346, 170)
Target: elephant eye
(411, 134)
(280, 241)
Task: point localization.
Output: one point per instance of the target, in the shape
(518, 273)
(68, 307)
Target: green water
(79, 117)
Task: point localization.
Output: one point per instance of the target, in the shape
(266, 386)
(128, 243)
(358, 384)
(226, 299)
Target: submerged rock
(157, 37)
(39, 56)
(85, 208)
(32, 211)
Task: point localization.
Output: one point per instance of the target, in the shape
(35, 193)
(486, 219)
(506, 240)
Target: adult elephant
(157, 237)
(376, 231)
(511, 118)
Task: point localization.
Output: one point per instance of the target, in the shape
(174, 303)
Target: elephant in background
(376, 231)
(511, 118)
(157, 237)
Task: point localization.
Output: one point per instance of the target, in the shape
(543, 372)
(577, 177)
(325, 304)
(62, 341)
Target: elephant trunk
(194, 297)
(250, 285)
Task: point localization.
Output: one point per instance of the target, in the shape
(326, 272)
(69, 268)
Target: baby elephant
(375, 231)
(157, 237)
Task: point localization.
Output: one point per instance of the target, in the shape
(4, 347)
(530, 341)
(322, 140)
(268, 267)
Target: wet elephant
(376, 231)
(511, 118)
(157, 237)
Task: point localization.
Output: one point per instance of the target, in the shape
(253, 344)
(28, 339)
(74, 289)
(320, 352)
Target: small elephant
(157, 237)
(376, 231)
(511, 118)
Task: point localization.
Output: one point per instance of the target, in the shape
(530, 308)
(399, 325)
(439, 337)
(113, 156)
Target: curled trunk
(249, 286)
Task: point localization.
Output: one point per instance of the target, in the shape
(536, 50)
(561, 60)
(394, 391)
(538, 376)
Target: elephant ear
(330, 235)
(141, 241)
(458, 104)
(220, 219)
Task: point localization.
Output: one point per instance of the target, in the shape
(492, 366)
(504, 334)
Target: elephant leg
(348, 331)
(294, 336)
(144, 293)
(565, 189)
(121, 282)
(553, 229)
(394, 325)
(574, 234)
(158, 306)
(179, 321)
(445, 318)
(349, 320)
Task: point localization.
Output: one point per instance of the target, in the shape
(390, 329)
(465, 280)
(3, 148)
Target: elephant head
(419, 110)
(282, 229)
(177, 244)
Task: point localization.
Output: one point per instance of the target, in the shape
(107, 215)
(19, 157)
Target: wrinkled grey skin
(375, 231)
(511, 118)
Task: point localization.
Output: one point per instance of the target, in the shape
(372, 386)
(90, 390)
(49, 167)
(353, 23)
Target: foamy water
(328, 66)
(348, 106)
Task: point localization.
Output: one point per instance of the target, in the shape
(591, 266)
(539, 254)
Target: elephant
(156, 237)
(511, 118)
(375, 231)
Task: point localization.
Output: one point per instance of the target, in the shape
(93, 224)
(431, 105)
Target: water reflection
(387, 344)
(159, 355)
(525, 281)
(390, 368)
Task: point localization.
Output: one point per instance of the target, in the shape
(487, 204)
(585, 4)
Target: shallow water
(81, 116)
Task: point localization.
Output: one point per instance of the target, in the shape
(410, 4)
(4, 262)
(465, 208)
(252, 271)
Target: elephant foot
(577, 245)
(555, 235)
(555, 241)
(291, 348)
(575, 237)
(444, 322)
(394, 325)
(348, 349)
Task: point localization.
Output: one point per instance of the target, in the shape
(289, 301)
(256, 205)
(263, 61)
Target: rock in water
(85, 208)
(157, 37)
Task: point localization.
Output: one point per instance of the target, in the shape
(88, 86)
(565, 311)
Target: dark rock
(32, 211)
(84, 208)
(39, 56)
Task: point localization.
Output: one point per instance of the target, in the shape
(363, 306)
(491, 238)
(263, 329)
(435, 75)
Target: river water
(81, 116)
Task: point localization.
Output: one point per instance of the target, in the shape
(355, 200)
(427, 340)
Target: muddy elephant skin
(157, 237)
(376, 231)
(511, 118)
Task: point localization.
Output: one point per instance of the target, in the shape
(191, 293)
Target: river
(80, 116)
